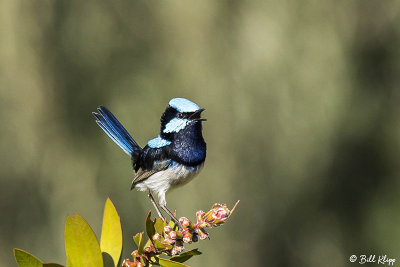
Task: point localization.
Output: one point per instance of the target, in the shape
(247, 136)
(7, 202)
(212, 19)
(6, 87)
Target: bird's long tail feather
(114, 129)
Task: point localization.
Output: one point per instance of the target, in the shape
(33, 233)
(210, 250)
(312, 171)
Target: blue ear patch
(183, 105)
(158, 142)
(175, 125)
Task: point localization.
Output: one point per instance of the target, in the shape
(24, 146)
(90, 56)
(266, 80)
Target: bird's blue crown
(183, 105)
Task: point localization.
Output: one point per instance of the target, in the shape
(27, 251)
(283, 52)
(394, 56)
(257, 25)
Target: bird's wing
(142, 175)
(154, 161)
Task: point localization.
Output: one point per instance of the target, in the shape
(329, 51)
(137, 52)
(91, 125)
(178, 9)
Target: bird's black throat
(188, 146)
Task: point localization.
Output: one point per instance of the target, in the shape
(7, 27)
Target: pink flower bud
(157, 236)
(172, 235)
(185, 222)
(202, 233)
(187, 238)
(167, 229)
(218, 214)
(174, 251)
(135, 254)
(199, 215)
(221, 213)
(127, 263)
(203, 236)
(185, 231)
(179, 249)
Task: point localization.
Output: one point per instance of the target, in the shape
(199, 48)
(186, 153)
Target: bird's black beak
(196, 115)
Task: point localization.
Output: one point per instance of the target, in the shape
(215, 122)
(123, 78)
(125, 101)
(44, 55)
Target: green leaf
(186, 255)
(69, 264)
(143, 262)
(149, 226)
(159, 225)
(169, 263)
(147, 245)
(111, 232)
(172, 224)
(160, 246)
(107, 260)
(139, 241)
(52, 265)
(81, 245)
(25, 259)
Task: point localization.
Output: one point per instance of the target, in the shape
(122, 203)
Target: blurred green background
(303, 108)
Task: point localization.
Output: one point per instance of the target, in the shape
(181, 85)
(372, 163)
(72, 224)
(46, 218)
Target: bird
(171, 159)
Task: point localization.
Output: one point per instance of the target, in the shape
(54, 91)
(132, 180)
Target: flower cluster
(218, 215)
(169, 239)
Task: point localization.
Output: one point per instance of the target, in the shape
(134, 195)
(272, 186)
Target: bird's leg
(164, 207)
(155, 205)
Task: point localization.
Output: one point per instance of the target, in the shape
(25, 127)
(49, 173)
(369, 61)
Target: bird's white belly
(176, 175)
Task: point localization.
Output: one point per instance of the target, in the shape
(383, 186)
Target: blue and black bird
(171, 159)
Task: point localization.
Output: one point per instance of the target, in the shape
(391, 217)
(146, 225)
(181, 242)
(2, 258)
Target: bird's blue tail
(114, 129)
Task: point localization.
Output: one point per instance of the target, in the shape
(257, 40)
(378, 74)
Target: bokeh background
(303, 108)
